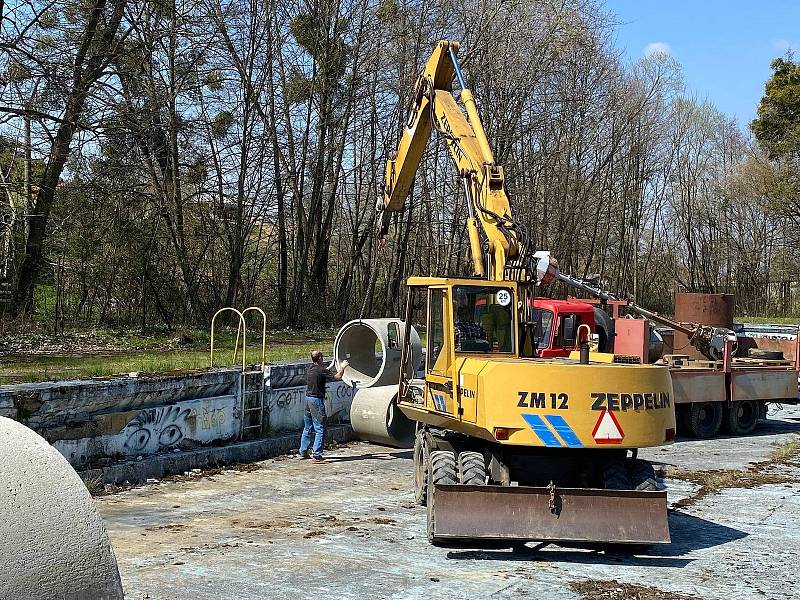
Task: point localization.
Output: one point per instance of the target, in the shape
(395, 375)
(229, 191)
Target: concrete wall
(100, 421)
(285, 390)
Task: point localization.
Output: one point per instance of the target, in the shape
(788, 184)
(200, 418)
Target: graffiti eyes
(137, 441)
(171, 434)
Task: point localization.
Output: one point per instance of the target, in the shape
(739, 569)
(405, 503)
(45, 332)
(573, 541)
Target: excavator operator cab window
(482, 319)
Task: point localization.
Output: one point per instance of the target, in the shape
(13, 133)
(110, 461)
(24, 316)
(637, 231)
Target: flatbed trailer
(710, 397)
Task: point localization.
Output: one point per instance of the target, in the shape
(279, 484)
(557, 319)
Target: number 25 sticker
(504, 297)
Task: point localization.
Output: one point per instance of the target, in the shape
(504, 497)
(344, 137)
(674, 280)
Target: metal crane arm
(710, 341)
(487, 202)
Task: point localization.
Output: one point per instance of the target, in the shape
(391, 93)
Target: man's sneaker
(303, 456)
(317, 460)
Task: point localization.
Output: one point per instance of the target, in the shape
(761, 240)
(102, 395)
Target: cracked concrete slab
(349, 529)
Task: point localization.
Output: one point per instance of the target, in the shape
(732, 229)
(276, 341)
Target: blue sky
(725, 46)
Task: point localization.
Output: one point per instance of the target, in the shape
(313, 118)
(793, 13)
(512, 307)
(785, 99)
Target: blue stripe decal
(540, 429)
(564, 430)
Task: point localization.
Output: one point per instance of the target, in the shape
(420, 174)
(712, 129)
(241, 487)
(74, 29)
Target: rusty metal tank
(707, 309)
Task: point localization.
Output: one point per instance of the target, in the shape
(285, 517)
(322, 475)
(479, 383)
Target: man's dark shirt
(316, 377)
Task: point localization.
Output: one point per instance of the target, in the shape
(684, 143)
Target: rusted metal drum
(706, 309)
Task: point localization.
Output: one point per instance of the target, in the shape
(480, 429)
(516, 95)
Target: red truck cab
(559, 321)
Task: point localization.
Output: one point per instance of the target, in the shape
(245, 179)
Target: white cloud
(657, 48)
(785, 45)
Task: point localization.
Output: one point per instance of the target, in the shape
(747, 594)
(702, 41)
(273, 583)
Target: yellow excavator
(511, 445)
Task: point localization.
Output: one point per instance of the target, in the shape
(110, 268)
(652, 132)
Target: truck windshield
(544, 325)
(483, 321)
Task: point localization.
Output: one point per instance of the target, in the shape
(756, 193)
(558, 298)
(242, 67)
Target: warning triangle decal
(607, 430)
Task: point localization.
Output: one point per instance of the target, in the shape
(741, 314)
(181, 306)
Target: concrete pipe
(375, 417)
(359, 342)
(52, 541)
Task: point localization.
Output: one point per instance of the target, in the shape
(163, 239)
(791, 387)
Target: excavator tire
(443, 470)
(421, 468)
(704, 419)
(643, 476)
(615, 476)
(741, 417)
(443, 467)
(471, 468)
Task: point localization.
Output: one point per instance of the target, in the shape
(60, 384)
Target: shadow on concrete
(688, 533)
(402, 454)
(764, 427)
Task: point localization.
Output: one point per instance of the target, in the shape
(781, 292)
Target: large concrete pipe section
(707, 309)
(360, 341)
(375, 417)
(372, 348)
(53, 543)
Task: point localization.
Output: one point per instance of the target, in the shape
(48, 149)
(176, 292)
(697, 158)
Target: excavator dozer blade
(492, 512)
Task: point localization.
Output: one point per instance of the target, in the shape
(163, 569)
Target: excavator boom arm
(488, 206)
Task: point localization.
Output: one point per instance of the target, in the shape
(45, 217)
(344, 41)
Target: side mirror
(393, 335)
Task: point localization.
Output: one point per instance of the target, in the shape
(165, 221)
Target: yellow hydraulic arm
(487, 203)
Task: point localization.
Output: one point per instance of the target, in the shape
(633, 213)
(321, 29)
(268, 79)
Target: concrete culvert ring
(52, 540)
(358, 342)
(374, 416)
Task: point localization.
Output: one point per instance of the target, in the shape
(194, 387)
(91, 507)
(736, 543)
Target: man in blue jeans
(317, 375)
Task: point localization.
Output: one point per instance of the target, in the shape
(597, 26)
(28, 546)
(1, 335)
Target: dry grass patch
(594, 589)
(714, 480)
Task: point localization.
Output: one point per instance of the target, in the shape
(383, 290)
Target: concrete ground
(350, 529)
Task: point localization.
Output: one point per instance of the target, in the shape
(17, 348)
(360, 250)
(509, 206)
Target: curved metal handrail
(242, 327)
(263, 334)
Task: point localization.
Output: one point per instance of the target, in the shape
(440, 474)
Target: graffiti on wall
(182, 425)
(286, 405)
(156, 429)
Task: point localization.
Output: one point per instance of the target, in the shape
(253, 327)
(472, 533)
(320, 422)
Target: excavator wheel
(471, 468)
(704, 419)
(615, 476)
(422, 452)
(643, 476)
(741, 417)
(443, 470)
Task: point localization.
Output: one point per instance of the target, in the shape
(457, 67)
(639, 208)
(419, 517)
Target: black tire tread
(615, 476)
(471, 468)
(443, 469)
(693, 420)
(643, 476)
(730, 420)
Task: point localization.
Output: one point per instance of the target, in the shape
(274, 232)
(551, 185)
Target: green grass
(120, 352)
(768, 320)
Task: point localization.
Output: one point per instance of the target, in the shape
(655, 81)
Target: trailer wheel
(705, 419)
(615, 476)
(421, 468)
(471, 468)
(643, 476)
(443, 470)
(741, 417)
